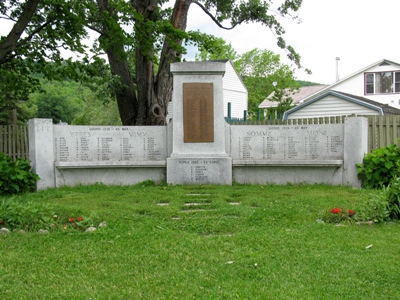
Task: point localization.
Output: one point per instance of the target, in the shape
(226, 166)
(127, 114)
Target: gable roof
(297, 95)
(330, 87)
(386, 108)
(379, 107)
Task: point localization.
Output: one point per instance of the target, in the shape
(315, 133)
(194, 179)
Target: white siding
(234, 92)
(238, 102)
(231, 80)
(355, 86)
(331, 106)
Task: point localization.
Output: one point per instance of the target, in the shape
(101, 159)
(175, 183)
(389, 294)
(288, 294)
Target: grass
(203, 242)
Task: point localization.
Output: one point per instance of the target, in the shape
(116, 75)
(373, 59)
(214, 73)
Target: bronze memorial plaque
(198, 113)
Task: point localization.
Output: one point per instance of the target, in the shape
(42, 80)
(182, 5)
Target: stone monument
(200, 145)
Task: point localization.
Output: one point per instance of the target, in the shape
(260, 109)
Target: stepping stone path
(196, 203)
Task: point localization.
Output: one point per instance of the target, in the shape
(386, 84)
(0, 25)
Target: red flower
(351, 212)
(335, 210)
(79, 219)
(71, 220)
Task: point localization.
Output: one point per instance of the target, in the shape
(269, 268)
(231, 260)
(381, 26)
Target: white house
(234, 92)
(334, 103)
(379, 82)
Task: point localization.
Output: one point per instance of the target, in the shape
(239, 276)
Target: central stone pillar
(200, 142)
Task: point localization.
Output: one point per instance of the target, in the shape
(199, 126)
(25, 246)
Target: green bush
(375, 208)
(383, 206)
(16, 176)
(379, 167)
(393, 198)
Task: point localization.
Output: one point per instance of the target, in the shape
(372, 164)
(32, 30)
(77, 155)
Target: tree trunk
(155, 92)
(126, 97)
(163, 84)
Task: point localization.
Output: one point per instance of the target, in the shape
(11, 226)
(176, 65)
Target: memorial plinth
(199, 146)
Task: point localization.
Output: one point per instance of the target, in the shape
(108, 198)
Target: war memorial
(198, 146)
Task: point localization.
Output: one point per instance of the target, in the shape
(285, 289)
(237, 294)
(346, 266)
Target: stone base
(204, 170)
(331, 175)
(108, 175)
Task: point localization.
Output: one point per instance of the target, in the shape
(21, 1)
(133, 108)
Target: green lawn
(239, 242)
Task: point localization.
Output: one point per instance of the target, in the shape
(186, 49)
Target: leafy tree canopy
(59, 101)
(262, 74)
(39, 31)
(216, 48)
(139, 38)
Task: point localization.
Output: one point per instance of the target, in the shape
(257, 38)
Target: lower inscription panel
(207, 170)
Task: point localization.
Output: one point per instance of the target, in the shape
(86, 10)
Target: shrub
(375, 208)
(16, 176)
(379, 167)
(393, 198)
(383, 206)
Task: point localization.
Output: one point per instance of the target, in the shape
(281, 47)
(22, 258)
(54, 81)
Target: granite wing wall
(113, 155)
(280, 154)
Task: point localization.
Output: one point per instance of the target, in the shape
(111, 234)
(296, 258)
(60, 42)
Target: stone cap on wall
(195, 67)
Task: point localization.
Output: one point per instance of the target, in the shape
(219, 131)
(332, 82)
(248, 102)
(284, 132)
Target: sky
(359, 32)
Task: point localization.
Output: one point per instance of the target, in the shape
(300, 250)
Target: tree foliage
(39, 31)
(263, 73)
(59, 101)
(216, 48)
(141, 32)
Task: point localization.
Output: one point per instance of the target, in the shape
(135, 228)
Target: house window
(382, 83)
(369, 83)
(397, 82)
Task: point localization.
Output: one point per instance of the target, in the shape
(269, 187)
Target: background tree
(216, 48)
(15, 86)
(40, 29)
(74, 103)
(59, 101)
(260, 69)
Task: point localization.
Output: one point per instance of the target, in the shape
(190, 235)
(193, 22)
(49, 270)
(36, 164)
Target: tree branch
(213, 18)
(99, 31)
(10, 43)
(31, 35)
